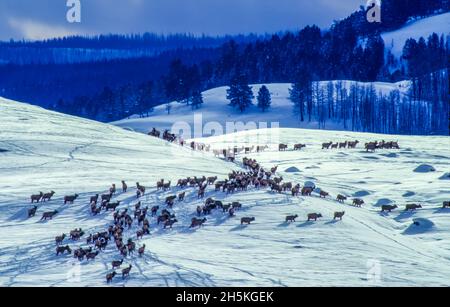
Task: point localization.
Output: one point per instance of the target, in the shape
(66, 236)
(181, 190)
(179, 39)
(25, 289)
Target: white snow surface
(216, 110)
(395, 40)
(43, 151)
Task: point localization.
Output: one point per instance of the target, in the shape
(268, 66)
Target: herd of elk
(340, 145)
(372, 146)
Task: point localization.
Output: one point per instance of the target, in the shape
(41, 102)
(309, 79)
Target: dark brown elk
(170, 223)
(388, 208)
(141, 250)
(299, 146)
(358, 202)
(170, 199)
(327, 145)
(236, 205)
(126, 271)
(110, 276)
(160, 185)
(154, 210)
(273, 170)
(353, 144)
(181, 196)
(197, 222)
(167, 186)
(49, 215)
(36, 197)
(94, 199)
(339, 215)
(106, 197)
(343, 145)
(307, 191)
(116, 264)
(70, 199)
(113, 189)
(124, 186)
(283, 147)
(334, 146)
(92, 255)
(63, 249)
(324, 194)
(112, 206)
(291, 218)
(48, 196)
(60, 239)
(295, 191)
(371, 147)
(341, 198)
(32, 211)
(413, 207)
(247, 220)
(314, 216)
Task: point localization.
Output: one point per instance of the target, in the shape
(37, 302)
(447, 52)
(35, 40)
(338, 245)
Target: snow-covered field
(216, 109)
(395, 40)
(43, 151)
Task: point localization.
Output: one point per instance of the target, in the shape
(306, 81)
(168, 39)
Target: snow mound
(420, 226)
(424, 168)
(361, 193)
(409, 194)
(446, 176)
(292, 169)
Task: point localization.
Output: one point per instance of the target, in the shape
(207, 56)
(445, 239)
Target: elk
(247, 220)
(291, 218)
(197, 222)
(323, 194)
(116, 264)
(49, 215)
(110, 276)
(413, 207)
(60, 239)
(141, 250)
(388, 208)
(283, 147)
(63, 249)
(126, 272)
(48, 196)
(358, 202)
(446, 204)
(36, 197)
(327, 145)
(314, 216)
(70, 199)
(339, 215)
(341, 198)
(299, 146)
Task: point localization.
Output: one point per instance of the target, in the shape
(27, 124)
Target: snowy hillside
(395, 40)
(216, 109)
(43, 151)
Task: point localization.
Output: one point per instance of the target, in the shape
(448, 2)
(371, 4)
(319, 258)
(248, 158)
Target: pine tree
(264, 98)
(240, 93)
(301, 93)
(196, 100)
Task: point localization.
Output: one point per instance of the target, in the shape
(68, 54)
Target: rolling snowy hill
(216, 109)
(395, 40)
(42, 150)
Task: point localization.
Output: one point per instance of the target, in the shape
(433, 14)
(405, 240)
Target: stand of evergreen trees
(114, 89)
